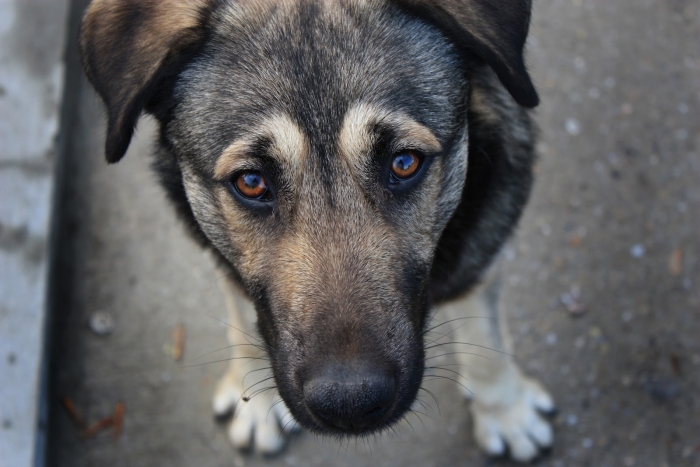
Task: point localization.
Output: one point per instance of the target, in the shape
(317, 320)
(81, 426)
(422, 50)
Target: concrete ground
(612, 228)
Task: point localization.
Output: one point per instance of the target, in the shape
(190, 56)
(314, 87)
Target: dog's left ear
(495, 30)
(130, 48)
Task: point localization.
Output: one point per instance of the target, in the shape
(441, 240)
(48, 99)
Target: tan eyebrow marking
(289, 144)
(356, 137)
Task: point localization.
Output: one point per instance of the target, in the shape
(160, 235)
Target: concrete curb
(32, 44)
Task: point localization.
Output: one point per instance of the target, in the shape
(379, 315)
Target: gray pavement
(613, 226)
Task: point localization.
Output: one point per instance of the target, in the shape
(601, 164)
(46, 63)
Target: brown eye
(251, 184)
(405, 165)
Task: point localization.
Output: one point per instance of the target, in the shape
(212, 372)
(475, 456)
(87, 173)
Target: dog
(353, 166)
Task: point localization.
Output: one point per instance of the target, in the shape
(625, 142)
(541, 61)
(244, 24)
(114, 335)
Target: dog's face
(324, 165)
(323, 149)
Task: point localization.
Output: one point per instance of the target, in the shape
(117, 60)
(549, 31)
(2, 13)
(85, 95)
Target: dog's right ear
(494, 30)
(129, 48)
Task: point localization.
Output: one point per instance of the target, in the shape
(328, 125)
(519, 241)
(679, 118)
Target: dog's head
(323, 149)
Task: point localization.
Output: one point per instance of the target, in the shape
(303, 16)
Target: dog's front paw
(517, 423)
(260, 420)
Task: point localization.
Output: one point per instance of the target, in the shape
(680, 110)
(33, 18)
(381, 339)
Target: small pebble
(101, 323)
(681, 206)
(572, 126)
(291, 460)
(572, 301)
(626, 380)
(629, 461)
(683, 108)
(687, 452)
(572, 419)
(7, 424)
(579, 63)
(580, 342)
(594, 93)
(546, 230)
(661, 389)
(238, 462)
(551, 338)
(627, 316)
(587, 443)
(637, 251)
(626, 108)
(11, 358)
(575, 240)
(609, 82)
(682, 134)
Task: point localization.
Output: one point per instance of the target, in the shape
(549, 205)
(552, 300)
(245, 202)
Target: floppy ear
(495, 30)
(129, 48)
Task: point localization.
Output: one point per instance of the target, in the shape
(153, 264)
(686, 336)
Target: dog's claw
(519, 425)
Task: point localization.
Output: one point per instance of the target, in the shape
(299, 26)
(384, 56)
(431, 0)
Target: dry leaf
(73, 412)
(675, 262)
(178, 341)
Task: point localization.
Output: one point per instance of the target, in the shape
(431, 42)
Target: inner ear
(131, 49)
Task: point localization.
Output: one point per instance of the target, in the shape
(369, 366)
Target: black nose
(350, 397)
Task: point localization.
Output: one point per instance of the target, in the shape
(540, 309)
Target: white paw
(260, 421)
(517, 424)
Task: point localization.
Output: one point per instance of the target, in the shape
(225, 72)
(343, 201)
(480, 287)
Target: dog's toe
(489, 437)
(226, 396)
(241, 432)
(540, 397)
(269, 438)
(541, 432)
(522, 448)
